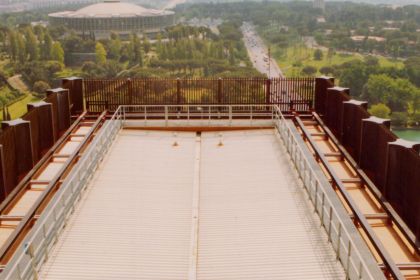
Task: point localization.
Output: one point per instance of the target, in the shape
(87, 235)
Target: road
(172, 3)
(258, 52)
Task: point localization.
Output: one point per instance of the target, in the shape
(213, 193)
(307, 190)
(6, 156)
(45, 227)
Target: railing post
(219, 90)
(130, 91)
(178, 91)
(268, 91)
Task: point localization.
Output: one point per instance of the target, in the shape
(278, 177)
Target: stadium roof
(109, 9)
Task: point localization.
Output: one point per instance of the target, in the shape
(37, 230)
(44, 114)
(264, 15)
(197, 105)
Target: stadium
(102, 19)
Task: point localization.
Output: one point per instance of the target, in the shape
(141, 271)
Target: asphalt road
(258, 52)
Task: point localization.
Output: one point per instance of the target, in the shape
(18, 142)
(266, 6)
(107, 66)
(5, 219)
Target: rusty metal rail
(390, 266)
(21, 210)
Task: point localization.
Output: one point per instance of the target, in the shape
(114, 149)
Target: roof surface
(158, 211)
(110, 9)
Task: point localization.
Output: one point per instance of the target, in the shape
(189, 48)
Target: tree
(399, 118)
(40, 87)
(397, 94)
(326, 70)
(412, 64)
(100, 53)
(114, 48)
(380, 110)
(13, 46)
(136, 50)
(146, 45)
(21, 51)
(47, 46)
(31, 45)
(57, 52)
(354, 76)
(318, 55)
(309, 70)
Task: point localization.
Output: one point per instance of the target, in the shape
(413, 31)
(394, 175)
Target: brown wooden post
(402, 187)
(178, 91)
(353, 113)
(63, 107)
(268, 91)
(333, 111)
(23, 148)
(75, 87)
(46, 128)
(321, 86)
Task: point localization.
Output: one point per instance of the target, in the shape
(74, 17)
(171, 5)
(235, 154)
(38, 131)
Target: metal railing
(197, 112)
(28, 260)
(343, 244)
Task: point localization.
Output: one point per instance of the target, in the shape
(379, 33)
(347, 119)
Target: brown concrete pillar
(2, 175)
(334, 109)
(321, 86)
(45, 132)
(75, 87)
(22, 151)
(373, 149)
(62, 108)
(353, 113)
(402, 187)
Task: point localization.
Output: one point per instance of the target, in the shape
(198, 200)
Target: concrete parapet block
(22, 148)
(375, 136)
(75, 87)
(62, 107)
(334, 109)
(45, 132)
(353, 113)
(321, 86)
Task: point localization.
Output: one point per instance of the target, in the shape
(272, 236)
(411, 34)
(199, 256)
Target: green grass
(303, 56)
(18, 109)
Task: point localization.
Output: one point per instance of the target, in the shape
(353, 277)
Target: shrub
(40, 87)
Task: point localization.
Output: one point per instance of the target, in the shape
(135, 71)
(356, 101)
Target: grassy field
(293, 59)
(18, 109)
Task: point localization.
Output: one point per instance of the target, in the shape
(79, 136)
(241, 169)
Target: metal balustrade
(347, 252)
(27, 261)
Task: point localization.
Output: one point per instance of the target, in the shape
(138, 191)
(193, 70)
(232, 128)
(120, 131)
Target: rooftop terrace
(292, 187)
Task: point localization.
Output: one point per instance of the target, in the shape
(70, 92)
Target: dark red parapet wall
(24, 141)
(334, 109)
(75, 87)
(376, 135)
(321, 86)
(392, 164)
(402, 187)
(353, 113)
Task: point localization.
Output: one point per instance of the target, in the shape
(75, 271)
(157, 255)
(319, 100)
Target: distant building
(108, 17)
(319, 4)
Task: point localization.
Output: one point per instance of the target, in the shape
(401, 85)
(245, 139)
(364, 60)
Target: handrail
(297, 155)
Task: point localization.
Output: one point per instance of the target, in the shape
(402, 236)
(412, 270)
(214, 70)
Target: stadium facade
(102, 19)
